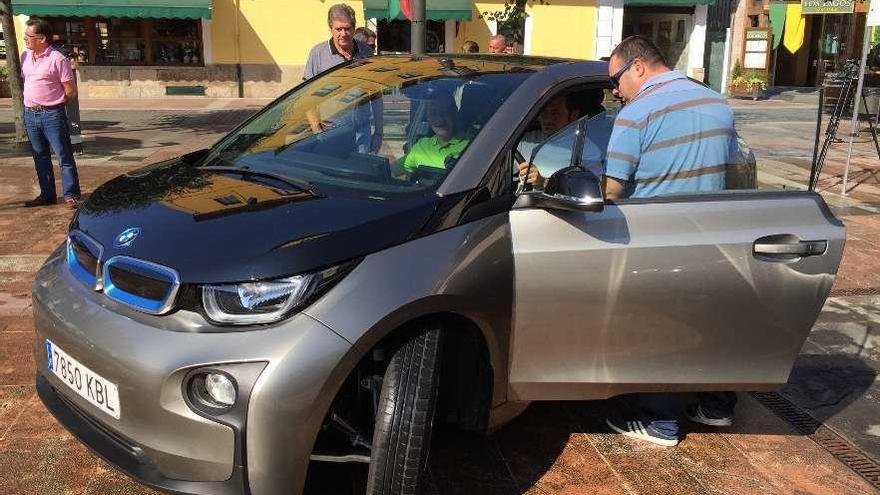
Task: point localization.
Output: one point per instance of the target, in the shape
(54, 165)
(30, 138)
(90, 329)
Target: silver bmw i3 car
(358, 262)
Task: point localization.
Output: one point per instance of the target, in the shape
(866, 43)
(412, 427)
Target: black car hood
(213, 227)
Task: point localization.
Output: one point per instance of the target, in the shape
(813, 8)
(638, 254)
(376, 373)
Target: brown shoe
(39, 201)
(72, 203)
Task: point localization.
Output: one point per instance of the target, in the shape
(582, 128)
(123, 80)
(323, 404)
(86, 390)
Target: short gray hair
(341, 12)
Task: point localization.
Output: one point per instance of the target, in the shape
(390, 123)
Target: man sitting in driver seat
(447, 142)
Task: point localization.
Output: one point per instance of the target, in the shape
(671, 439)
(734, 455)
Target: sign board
(757, 49)
(827, 6)
(874, 13)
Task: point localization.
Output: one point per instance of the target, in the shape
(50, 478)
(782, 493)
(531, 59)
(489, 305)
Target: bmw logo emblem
(126, 237)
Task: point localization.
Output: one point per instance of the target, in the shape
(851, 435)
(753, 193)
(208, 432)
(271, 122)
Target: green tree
(511, 19)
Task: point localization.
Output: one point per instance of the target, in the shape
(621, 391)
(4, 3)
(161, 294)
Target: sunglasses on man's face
(615, 79)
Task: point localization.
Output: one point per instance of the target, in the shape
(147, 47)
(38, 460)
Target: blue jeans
(48, 131)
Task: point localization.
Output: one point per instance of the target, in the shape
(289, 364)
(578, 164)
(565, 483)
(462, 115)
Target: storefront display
(129, 41)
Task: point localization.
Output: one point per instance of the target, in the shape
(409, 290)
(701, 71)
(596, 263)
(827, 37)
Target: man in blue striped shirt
(672, 136)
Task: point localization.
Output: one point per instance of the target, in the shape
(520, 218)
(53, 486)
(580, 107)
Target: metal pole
(854, 126)
(813, 168)
(71, 108)
(417, 32)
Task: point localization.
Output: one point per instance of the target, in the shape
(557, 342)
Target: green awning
(435, 10)
(667, 3)
(169, 9)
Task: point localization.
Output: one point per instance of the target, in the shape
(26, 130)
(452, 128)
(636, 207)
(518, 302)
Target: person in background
(509, 44)
(366, 36)
(341, 48)
(48, 85)
(497, 43)
(673, 136)
(470, 47)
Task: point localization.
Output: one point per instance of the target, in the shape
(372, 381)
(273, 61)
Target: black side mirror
(570, 189)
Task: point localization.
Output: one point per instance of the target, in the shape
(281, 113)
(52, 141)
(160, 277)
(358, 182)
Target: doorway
(394, 36)
(669, 28)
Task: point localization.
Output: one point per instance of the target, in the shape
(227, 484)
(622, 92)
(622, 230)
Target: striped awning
(168, 9)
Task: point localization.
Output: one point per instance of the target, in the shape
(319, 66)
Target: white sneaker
(696, 414)
(638, 429)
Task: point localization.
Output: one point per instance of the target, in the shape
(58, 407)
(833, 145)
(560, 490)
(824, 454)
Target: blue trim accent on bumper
(92, 280)
(135, 301)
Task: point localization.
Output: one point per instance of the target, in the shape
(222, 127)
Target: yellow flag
(795, 24)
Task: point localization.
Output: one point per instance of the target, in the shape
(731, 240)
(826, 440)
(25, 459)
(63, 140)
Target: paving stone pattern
(553, 448)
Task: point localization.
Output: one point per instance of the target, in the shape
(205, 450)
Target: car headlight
(251, 303)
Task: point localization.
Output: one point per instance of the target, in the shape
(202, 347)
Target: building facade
(809, 40)
(247, 48)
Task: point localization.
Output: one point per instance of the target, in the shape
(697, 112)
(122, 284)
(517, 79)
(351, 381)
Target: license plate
(99, 391)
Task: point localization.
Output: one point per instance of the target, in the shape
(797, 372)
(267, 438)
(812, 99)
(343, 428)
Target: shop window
(71, 38)
(125, 41)
(176, 42)
(120, 41)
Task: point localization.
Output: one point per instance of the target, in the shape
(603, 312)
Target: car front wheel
(405, 416)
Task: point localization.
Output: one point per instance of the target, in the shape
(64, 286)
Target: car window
(592, 108)
(555, 153)
(374, 129)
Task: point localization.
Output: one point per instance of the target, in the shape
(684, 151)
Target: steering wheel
(425, 175)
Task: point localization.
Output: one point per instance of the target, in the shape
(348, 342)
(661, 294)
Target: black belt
(43, 108)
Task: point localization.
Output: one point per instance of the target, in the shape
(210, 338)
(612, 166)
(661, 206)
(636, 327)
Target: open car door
(682, 293)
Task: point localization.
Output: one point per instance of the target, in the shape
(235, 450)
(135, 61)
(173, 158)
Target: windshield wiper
(300, 184)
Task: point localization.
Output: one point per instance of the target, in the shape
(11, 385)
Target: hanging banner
(827, 6)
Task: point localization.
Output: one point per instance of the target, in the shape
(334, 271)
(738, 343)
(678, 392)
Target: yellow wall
(560, 28)
(271, 31)
(282, 32)
(565, 28)
(476, 29)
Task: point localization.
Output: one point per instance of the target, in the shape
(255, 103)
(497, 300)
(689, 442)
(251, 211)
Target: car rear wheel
(405, 416)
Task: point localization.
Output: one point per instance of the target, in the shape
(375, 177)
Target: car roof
(477, 63)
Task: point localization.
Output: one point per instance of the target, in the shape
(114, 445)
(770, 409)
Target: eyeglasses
(615, 79)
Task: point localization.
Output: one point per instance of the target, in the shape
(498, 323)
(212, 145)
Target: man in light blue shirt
(673, 136)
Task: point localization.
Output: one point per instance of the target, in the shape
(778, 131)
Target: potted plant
(747, 83)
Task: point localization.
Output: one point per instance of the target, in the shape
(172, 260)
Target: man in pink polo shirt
(48, 85)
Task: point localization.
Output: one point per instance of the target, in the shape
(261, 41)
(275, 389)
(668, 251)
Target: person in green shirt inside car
(433, 151)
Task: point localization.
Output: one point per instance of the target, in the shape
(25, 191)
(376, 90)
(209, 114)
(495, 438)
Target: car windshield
(381, 127)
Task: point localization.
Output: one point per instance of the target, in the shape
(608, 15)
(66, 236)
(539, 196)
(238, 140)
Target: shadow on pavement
(213, 121)
(110, 146)
(827, 384)
(518, 457)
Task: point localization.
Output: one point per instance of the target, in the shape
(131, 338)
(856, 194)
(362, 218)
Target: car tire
(405, 417)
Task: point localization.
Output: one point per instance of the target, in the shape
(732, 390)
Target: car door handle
(787, 248)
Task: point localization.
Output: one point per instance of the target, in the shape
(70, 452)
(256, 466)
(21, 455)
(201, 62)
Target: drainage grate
(857, 291)
(833, 443)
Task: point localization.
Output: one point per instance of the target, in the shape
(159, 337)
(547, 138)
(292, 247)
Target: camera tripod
(844, 100)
